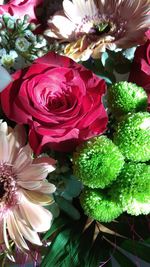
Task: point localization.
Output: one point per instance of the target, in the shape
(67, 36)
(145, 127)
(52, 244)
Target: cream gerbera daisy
(23, 190)
(89, 27)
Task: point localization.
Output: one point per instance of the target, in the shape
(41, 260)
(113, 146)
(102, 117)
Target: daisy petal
(34, 172)
(38, 217)
(23, 159)
(38, 198)
(15, 233)
(4, 148)
(29, 235)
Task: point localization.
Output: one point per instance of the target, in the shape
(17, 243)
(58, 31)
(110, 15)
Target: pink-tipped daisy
(23, 190)
(89, 27)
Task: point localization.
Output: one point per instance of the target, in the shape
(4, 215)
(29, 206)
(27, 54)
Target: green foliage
(91, 244)
(97, 67)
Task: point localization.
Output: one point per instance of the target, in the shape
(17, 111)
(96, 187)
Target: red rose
(60, 100)
(19, 8)
(140, 70)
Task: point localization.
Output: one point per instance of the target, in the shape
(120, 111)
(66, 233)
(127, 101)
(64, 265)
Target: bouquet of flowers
(74, 133)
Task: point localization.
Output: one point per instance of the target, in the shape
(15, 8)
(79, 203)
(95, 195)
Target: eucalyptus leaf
(73, 188)
(129, 53)
(104, 58)
(67, 207)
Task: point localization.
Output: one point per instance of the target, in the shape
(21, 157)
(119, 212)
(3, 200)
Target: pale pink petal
(17, 139)
(15, 233)
(74, 11)
(40, 186)
(48, 160)
(1, 233)
(3, 127)
(13, 147)
(20, 134)
(51, 34)
(47, 188)
(5, 233)
(59, 22)
(28, 234)
(35, 172)
(23, 159)
(91, 7)
(38, 217)
(30, 185)
(38, 198)
(4, 148)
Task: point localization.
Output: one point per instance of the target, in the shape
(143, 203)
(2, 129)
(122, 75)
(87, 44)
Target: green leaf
(55, 253)
(104, 58)
(100, 254)
(74, 246)
(138, 249)
(123, 260)
(129, 53)
(67, 207)
(65, 245)
(57, 225)
(123, 67)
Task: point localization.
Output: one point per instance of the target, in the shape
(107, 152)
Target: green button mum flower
(99, 206)
(132, 136)
(97, 162)
(124, 97)
(132, 188)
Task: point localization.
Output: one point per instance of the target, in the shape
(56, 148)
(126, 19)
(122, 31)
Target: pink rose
(60, 100)
(140, 70)
(19, 8)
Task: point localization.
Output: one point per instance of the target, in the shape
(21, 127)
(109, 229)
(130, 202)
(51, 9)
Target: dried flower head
(23, 190)
(89, 27)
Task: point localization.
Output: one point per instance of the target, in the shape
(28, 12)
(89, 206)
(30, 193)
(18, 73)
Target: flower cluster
(94, 26)
(140, 70)
(23, 190)
(60, 100)
(102, 164)
(74, 137)
(19, 46)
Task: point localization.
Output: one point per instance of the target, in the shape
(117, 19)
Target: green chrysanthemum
(133, 137)
(125, 97)
(99, 206)
(97, 162)
(132, 188)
